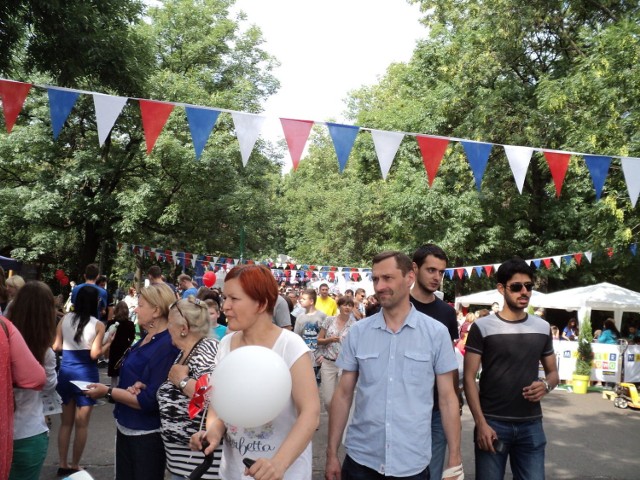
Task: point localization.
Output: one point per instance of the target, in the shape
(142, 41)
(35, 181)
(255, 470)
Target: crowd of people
(390, 368)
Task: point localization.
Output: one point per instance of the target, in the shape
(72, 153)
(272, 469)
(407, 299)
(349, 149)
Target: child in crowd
(217, 331)
(308, 325)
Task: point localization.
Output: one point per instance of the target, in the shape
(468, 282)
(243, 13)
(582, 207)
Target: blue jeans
(354, 471)
(524, 445)
(438, 445)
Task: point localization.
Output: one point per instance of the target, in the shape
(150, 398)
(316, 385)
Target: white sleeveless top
(69, 331)
(240, 442)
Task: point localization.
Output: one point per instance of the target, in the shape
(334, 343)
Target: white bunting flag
(386, 145)
(519, 158)
(248, 128)
(108, 108)
(631, 170)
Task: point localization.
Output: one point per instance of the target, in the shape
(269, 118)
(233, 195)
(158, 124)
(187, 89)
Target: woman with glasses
(284, 450)
(189, 330)
(144, 367)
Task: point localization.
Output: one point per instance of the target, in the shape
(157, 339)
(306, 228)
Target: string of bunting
(247, 128)
(202, 263)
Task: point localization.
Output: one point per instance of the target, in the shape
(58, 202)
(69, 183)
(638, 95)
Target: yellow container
(580, 383)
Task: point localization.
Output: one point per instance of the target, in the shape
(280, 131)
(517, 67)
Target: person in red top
(18, 367)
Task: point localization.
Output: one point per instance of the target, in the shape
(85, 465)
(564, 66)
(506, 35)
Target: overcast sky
(327, 48)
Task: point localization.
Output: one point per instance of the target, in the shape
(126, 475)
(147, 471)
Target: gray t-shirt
(308, 326)
(281, 316)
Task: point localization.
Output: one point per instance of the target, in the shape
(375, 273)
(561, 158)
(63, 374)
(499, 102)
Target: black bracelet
(109, 396)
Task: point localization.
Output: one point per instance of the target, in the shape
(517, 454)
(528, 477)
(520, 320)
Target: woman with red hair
(285, 453)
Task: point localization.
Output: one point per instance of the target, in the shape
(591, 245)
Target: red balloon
(64, 281)
(209, 279)
(60, 274)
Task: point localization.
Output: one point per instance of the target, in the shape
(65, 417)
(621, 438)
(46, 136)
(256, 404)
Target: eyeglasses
(122, 358)
(517, 286)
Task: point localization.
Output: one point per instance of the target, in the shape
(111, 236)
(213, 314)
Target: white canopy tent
(489, 297)
(602, 296)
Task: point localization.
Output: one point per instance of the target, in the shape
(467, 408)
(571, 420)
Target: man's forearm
(450, 412)
(338, 416)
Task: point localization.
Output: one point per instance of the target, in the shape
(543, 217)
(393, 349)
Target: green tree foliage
(563, 76)
(64, 200)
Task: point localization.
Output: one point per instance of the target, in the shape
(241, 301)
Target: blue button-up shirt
(391, 427)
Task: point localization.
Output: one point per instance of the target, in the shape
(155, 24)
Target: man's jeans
(354, 471)
(438, 445)
(524, 445)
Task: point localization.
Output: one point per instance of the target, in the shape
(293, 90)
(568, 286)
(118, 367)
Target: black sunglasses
(516, 287)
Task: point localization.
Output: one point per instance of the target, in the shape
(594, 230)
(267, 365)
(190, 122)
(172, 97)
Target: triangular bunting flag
(588, 256)
(577, 257)
(432, 150)
(60, 104)
(487, 269)
(201, 123)
(536, 262)
(343, 137)
(547, 262)
(296, 134)
(108, 109)
(558, 165)
(558, 260)
(154, 116)
(567, 259)
(469, 270)
(450, 272)
(460, 272)
(631, 170)
(13, 95)
(478, 156)
(496, 266)
(386, 145)
(248, 128)
(519, 159)
(598, 166)
(478, 271)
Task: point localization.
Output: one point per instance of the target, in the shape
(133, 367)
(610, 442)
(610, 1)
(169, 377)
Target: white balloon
(251, 386)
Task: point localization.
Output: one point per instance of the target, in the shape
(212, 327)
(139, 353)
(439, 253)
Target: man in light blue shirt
(393, 359)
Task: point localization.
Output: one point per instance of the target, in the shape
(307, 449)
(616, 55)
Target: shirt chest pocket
(417, 366)
(368, 367)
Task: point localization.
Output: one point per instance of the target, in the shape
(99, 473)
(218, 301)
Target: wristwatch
(183, 383)
(547, 387)
(109, 396)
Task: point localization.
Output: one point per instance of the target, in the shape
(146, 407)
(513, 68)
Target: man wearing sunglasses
(509, 345)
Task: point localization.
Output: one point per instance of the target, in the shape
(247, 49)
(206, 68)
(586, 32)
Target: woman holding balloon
(280, 446)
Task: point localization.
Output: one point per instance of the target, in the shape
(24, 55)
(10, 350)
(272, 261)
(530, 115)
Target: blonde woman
(137, 416)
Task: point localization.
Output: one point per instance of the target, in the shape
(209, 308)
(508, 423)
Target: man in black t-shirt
(429, 264)
(506, 409)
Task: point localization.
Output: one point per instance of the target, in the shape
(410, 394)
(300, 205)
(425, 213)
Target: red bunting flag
(558, 164)
(296, 133)
(154, 116)
(547, 262)
(199, 399)
(460, 272)
(432, 150)
(13, 95)
(578, 257)
(487, 269)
